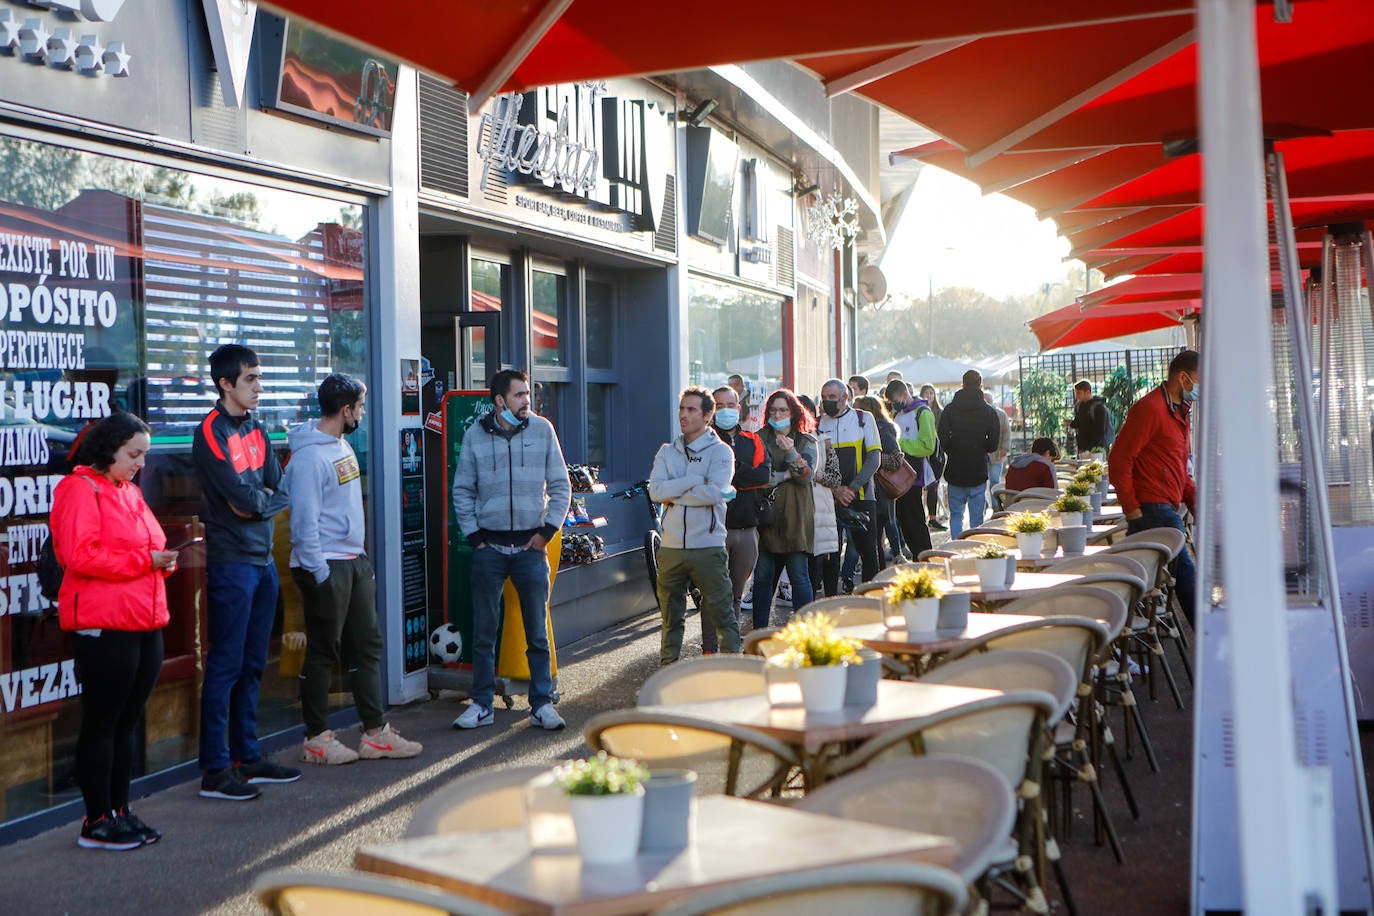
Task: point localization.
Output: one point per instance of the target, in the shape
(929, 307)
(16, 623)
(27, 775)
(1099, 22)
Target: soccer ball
(446, 644)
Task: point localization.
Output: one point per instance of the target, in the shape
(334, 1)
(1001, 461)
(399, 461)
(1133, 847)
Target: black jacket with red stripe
(237, 466)
(751, 473)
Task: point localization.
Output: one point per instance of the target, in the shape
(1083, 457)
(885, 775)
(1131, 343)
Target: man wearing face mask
(510, 494)
(741, 513)
(1148, 463)
(330, 565)
(855, 437)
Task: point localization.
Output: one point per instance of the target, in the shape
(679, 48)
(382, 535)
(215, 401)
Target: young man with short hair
(1091, 422)
(241, 489)
(339, 589)
(691, 477)
(510, 495)
(1035, 469)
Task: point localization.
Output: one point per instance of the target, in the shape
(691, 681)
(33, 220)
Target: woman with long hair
(937, 460)
(790, 451)
(892, 456)
(114, 601)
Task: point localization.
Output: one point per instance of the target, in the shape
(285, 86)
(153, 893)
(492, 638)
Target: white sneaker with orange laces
(325, 749)
(387, 743)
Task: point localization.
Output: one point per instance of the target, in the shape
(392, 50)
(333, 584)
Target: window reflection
(733, 331)
(550, 300)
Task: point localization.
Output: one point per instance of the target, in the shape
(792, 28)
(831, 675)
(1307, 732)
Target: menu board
(461, 409)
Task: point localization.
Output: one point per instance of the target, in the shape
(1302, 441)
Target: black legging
(933, 498)
(910, 512)
(117, 671)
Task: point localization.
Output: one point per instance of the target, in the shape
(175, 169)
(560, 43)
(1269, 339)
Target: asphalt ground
(212, 850)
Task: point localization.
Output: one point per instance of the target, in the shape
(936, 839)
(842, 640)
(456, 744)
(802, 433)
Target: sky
(951, 235)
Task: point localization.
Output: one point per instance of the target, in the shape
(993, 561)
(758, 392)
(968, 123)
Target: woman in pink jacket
(113, 597)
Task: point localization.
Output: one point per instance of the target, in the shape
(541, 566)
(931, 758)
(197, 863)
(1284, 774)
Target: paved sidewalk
(212, 850)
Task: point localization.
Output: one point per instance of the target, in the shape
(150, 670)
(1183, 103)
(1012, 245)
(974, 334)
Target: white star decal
(9, 31)
(33, 38)
(61, 48)
(90, 54)
(116, 61)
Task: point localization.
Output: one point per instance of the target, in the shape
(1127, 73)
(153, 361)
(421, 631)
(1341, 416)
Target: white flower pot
(1069, 519)
(607, 826)
(921, 614)
(1030, 544)
(992, 574)
(822, 687)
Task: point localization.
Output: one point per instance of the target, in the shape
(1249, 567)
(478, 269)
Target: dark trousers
(528, 571)
(1163, 515)
(865, 541)
(341, 625)
(117, 671)
(911, 518)
(933, 497)
(241, 604)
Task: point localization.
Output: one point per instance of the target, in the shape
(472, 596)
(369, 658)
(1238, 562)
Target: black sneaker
(108, 833)
(227, 785)
(934, 525)
(267, 771)
(131, 822)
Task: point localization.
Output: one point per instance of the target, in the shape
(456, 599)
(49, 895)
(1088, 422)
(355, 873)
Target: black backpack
(49, 570)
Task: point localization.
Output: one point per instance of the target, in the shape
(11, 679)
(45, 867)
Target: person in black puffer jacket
(968, 430)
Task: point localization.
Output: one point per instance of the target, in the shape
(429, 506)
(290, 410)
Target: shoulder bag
(898, 480)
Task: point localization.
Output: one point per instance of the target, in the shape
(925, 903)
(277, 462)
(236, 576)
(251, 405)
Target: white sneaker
(325, 749)
(474, 716)
(548, 718)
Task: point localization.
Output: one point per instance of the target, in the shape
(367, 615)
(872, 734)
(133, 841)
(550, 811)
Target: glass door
(478, 337)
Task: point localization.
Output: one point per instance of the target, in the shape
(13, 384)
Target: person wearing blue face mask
(510, 495)
(791, 451)
(742, 512)
(1148, 464)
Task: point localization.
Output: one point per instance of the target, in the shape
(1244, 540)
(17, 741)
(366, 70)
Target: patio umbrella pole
(1274, 807)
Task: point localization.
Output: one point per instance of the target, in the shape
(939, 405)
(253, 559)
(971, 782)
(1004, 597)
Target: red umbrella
(1073, 325)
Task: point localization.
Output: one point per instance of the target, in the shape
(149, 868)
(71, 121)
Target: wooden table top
(898, 641)
(732, 840)
(1023, 583)
(898, 701)
(1059, 557)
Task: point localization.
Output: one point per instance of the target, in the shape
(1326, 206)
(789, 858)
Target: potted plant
(815, 657)
(915, 594)
(991, 562)
(606, 801)
(1029, 528)
(1071, 509)
(1078, 487)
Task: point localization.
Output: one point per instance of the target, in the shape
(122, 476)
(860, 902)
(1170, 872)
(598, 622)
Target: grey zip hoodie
(694, 478)
(327, 520)
(510, 483)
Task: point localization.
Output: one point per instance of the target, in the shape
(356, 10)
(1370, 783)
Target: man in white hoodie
(336, 580)
(691, 477)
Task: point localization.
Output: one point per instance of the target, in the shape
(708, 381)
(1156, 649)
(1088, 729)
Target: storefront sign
(550, 157)
(29, 38)
(231, 35)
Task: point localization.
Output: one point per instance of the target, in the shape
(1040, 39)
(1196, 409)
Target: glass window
(121, 278)
(600, 325)
(490, 293)
(547, 400)
(598, 431)
(550, 300)
(734, 332)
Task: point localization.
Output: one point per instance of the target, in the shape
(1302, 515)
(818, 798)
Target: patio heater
(1321, 407)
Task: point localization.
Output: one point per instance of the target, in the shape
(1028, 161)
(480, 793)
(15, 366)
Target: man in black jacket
(741, 513)
(1090, 420)
(969, 431)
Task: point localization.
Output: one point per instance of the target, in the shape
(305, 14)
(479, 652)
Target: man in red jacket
(1148, 464)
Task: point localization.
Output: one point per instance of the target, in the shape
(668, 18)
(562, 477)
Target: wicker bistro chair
(292, 893)
(754, 641)
(729, 759)
(950, 796)
(1021, 669)
(874, 889)
(1080, 641)
(710, 677)
(1049, 493)
(847, 610)
(1147, 625)
(485, 800)
(1005, 538)
(1177, 542)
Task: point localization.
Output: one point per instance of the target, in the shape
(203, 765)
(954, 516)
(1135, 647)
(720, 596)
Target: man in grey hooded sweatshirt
(338, 588)
(691, 477)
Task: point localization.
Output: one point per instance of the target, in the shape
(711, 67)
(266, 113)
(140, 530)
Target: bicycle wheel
(651, 544)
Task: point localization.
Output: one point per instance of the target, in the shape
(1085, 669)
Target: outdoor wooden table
(900, 641)
(1058, 557)
(1023, 584)
(817, 736)
(733, 840)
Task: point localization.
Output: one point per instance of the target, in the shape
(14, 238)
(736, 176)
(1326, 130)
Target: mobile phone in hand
(184, 544)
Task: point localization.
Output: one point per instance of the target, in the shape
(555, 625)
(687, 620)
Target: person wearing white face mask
(1148, 463)
(742, 512)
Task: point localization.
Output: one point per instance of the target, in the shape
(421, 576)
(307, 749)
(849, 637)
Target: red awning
(1072, 325)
